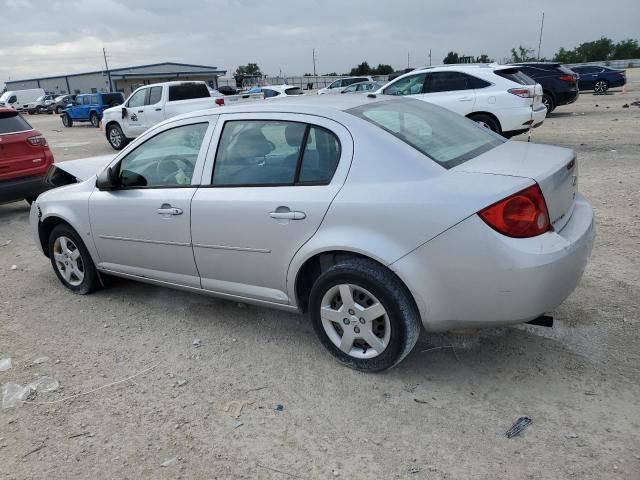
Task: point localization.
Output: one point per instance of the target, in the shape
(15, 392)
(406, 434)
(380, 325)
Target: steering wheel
(177, 164)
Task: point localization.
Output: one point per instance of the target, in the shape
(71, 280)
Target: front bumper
(472, 276)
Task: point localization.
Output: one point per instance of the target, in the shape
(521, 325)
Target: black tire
(58, 110)
(549, 102)
(30, 200)
(91, 281)
(67, 121)
(115, 137)
(403, 315)
(93, 118)
(600, 86)
(487, 121)
(39, 109)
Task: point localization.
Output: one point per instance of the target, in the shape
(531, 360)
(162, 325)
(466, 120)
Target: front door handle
(284, 213)
(140, 111)
(167, 209)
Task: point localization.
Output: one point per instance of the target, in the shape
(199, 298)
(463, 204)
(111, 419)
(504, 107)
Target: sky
(51, 37)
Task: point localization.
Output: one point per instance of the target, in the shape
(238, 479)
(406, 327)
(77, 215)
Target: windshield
(444, 136)
(5, 96)
(39, 99)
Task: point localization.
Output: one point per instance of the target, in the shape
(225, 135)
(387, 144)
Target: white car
(277, 91)
(339, 85)
(499, 97)
(378, 216)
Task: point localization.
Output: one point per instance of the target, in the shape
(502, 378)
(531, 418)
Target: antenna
(540, 41)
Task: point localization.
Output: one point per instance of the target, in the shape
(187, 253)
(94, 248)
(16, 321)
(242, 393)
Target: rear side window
(12, 123)
(444, 136)
(321, 156)
(187, 91)
(94, 99)
(452, 81)
(112, 99)
(515, 75)
(565, 70)
(268, 93)
(294, 91)
(155, 94)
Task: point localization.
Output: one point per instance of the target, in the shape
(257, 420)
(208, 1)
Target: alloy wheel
(600, 86)
(114, 137)
(355, 321)
(68, 260)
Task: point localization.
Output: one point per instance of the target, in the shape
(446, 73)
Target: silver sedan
(378, 217)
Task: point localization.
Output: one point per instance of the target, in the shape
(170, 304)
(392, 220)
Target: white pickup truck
(152, 104)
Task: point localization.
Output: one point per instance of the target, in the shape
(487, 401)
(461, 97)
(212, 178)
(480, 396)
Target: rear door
(266, 196)
(153, 108)
(134, 123)
(451, 90)
(18, 158)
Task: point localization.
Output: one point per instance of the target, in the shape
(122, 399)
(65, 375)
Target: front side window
(138, 98)
(335, 84)
(444, 136)
(94, 100)
(268, 93)
(165, 160)
(274, 152)
(411, 85)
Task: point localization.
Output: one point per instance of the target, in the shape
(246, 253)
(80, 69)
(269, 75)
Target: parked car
(559, 83)
(60, 103)
(227, 90)
(498, 97)
(40, 104)
(599, 79)
(150, 105)
(19, 99)
(362, 87)
(339, 85)
(90, 107)
(375, 215)
(272, 91)
(25, 158)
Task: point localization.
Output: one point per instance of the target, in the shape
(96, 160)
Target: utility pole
(429, 57)
(408, 60)
(540, 42)
(314, 62)
(104, 53)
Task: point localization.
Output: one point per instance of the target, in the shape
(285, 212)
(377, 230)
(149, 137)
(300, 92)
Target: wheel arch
(45, 227)
(488, 114)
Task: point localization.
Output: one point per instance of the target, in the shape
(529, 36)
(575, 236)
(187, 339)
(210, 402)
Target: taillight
(522, 215)
(38, 141)
(568, 78)
(219, 101)
(521, 92)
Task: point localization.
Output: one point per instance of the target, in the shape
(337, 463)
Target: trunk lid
(18, 158)
(555, 169)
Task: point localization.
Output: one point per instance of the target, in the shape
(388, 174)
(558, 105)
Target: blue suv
(89, 107)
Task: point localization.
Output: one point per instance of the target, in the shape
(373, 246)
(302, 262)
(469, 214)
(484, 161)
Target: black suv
(559, 84)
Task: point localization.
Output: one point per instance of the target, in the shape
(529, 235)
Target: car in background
(90, 107)
(498, 97)
(40, 104)
(339, 85)
(377, 216)
(25, 158)
(362, 87)
(599, 79)
(60, 103)
(272, 91)
(19, 99)
(559, 83)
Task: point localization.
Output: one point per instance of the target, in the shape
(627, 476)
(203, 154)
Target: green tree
(362, 69)
(625, 49)
(332, 74)
(383, 69)
(594, 51)
(565, 56)
(452, 57)
(249, 69)
(522, 54)
(484, 58)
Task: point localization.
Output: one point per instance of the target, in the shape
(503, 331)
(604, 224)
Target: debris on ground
(417, 400)
(180, 383)
(14, 267)
(279, 407)
(234, 407)
(8, 242)
(12, 393)
(519, 426)
(197, 343)
(168, 463)
(237, 424)
(44, 385)
(386, 396)
(40, 360)
(413, 470)
(5, 364)
(626, 105)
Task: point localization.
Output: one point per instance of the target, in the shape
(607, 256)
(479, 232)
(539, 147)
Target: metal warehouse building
(124, 80)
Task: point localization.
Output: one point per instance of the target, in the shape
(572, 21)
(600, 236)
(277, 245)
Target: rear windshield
(187, 91)
(515, 75)
(444, 136)
(12, 123)
(294, 91)
(112, 99)
(566, 70)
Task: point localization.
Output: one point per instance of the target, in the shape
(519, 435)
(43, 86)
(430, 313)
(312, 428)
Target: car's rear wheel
(364, 315)
(95, 121)
(39, 109)
(548, 102)
(600, 86)
(58, 110)
(71, 261)
(67, 121)
(487, 122)
(116, 137)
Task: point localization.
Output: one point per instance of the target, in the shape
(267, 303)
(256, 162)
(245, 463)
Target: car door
(153, 110)
(80, 108)
(134, 119)
(451, 90)
(267, 196)
(142, 227)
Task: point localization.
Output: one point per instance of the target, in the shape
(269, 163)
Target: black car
(599, 79)
(60, 103)
(559, 83)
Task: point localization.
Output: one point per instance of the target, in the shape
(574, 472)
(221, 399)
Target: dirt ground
(441, 414)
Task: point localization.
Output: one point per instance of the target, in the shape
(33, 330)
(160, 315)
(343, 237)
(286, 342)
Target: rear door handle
(282, 214)
(167, 209)
(465, 99)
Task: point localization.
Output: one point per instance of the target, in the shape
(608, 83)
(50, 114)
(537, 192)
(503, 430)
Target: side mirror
(107, 179)
(124, 112)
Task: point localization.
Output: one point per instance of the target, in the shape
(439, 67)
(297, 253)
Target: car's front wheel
(58, 110)
(116, 137)
(71, 260)
(67, 121)
(364, 315)
(600, 86)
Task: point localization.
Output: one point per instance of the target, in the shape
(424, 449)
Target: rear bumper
(517, 120)
(472, 276)
(11, 190)
(565, 98)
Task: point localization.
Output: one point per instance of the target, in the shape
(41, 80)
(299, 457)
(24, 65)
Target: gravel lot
(441, 414)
